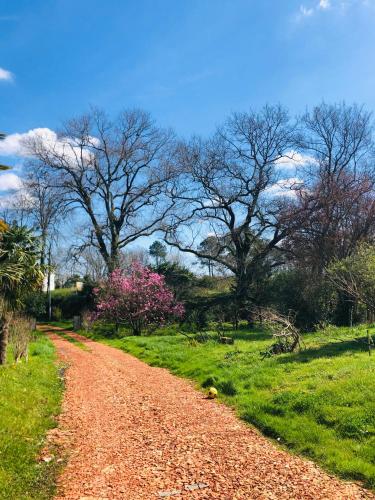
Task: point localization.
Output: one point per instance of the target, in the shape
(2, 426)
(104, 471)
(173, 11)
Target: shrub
(57, 313)
(35, 304)
(178, 278)
(20, 337)
(87, 320)
(71, 302)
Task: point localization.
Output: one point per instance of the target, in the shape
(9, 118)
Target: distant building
(52, 282)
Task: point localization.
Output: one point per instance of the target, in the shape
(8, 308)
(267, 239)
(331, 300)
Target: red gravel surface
(138, 432)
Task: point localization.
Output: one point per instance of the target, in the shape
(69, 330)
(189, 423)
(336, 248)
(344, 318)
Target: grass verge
(30, 395)
(319, 402)
(71, 339)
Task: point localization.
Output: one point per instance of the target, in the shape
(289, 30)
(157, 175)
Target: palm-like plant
(3, 167)
(20, 273)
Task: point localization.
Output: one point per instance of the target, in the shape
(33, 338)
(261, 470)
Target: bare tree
(228, 193)
(42, 204)
(134, 254)
(344, 216)
(340, 181)
(116, 172)
(337, 137)
(87, 262)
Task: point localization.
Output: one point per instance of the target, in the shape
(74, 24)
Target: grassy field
(319, 403)
(30, 395)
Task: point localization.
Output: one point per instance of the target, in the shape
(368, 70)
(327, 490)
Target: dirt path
(139, 432)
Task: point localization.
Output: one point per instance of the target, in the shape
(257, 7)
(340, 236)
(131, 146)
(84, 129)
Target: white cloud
(6, 75)
(16, 199)
(345, 5)
(293, 159)
(16, 144)
(324, 4)
(317, 6)
(285, 187)
(305, 12)
(10, 182)
(6, 201)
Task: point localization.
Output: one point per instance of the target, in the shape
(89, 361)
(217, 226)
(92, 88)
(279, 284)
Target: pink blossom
(139, 298)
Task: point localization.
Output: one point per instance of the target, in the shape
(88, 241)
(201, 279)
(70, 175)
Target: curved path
(138, 432)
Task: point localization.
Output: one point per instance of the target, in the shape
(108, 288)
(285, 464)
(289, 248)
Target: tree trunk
(114, 261)
(137, 328)
(4, 336)
(43, 250)
(242, 296)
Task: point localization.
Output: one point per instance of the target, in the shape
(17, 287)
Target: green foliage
(72, 280)
(178, 278)
(213, 285)
(57, 313)
(30, 395)
(313, 299)
(70, 302)
(355, 275)
(207, 282)
(3, 167)
(35, 304)
(197, 316)
(20, 273)
(318, 402)
(158, 251)
(19, 268)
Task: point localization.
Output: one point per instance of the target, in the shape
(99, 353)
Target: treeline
(274, 201)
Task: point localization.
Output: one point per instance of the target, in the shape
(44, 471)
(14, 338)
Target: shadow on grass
(326, 351)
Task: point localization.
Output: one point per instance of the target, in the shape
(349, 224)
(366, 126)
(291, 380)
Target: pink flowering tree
(139, 298)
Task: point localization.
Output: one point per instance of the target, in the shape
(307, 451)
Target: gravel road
(138, 432)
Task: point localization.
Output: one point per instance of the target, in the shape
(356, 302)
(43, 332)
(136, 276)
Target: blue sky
(188, 62)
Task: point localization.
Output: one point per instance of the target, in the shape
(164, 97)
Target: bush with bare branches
(286, 334)
(20, 336)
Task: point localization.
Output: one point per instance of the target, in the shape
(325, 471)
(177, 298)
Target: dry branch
(287, 336)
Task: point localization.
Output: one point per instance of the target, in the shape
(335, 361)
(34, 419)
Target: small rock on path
(138, 432)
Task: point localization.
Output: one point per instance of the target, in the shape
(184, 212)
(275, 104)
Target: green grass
(30, 395)
(72, 340)
(319, 403)
(63, 292)
(67, 324)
